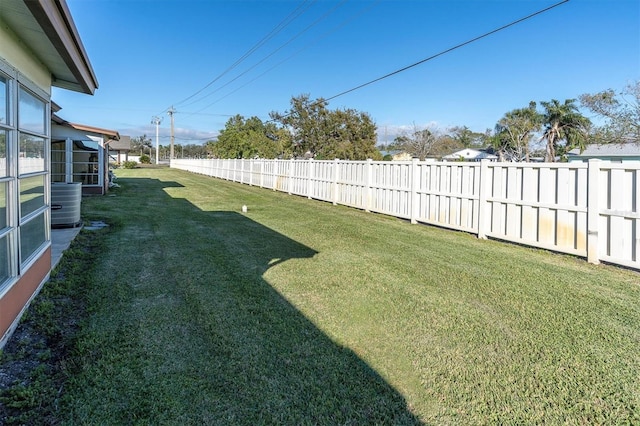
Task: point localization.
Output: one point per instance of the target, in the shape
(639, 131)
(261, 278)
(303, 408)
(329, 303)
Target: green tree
(514, 133)
(620, 111)
(248, 138)
(467, 138)
(445, 144)
(564, 128)
(141, 143)
(305, 121)
(317, 132)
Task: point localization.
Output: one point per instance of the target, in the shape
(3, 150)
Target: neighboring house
(469, 154)
(119, 149)
(611, 152)
(401, 156)
(39, 48)
(80, 153)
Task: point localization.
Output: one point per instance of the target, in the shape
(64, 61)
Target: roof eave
(55, 19)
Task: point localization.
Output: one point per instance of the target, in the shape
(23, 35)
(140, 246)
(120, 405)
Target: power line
(458, 46)
(297, 12)
(317, 21)
(332, 30)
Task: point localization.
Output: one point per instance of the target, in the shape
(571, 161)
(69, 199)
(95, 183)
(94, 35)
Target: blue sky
(151, 54)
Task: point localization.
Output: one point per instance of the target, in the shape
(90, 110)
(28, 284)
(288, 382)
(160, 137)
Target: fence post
(484, 190)
(367, 189)
(262, 173)
(291, 175)
(415, 181)
(336, 176)
(593, 210)
(251, 172)
(310, 168)
(276, 173)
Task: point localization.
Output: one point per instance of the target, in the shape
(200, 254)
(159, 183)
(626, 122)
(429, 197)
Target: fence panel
(390, 188)
(447, 195)
(542, 205)
(619, 213)
(322, 180)
(351, 184)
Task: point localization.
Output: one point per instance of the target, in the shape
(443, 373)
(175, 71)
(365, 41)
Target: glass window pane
(32, 236)
(5, 269)
(3, 205)
(31, 154)
(31, 112)
(58, 161)
(3, 101)
(3, 153)
(31, 194)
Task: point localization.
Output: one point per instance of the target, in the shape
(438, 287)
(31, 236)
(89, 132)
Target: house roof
(46, 26)
(608, 150)
(123, 144)
(469, 154)
(111, 134)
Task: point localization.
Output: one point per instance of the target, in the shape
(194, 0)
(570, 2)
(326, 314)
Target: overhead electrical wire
(332, 30)
(297, 12)
(314, 23)
(458, 46)
(388, 75)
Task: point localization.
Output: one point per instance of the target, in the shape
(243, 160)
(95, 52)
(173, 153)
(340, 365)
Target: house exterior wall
(17, 298)
(25, 241)
(17, 55)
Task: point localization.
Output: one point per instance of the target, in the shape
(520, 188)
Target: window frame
(17, 261)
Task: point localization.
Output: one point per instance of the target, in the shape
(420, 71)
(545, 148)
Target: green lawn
(300, 312)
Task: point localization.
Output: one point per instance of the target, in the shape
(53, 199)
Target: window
(33, 234)
(59, 161)
(32, 152)
(4, 218)
(3, 153)
(7, 250)
(4, 99)
(31, 195)
(24, 172)
(32, 172)
(5, 263)
(31, 112)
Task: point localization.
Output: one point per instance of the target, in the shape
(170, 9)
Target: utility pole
(157, 120)
(171, 112)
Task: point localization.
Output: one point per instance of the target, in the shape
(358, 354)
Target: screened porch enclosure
(77, 161)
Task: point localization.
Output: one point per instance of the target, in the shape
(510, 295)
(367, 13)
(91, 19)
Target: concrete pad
(60, 241)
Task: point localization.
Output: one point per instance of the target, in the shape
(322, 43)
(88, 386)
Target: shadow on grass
(193, 334)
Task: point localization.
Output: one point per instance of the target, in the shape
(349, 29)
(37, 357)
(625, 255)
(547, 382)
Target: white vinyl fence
(586, 209)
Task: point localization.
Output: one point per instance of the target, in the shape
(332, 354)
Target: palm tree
(563, 122)
(514, 132)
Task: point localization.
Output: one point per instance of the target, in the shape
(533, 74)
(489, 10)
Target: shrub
(129, 164)
(145, 159)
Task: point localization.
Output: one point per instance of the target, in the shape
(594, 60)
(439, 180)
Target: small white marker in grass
(244, 209)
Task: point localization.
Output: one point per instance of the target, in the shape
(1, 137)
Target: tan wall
(13, 51)
(14, 301)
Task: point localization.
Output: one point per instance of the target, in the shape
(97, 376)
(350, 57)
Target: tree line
(143, 146)
(309, 129)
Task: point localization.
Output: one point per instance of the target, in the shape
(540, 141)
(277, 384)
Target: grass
(39, 358)
(300, 312)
